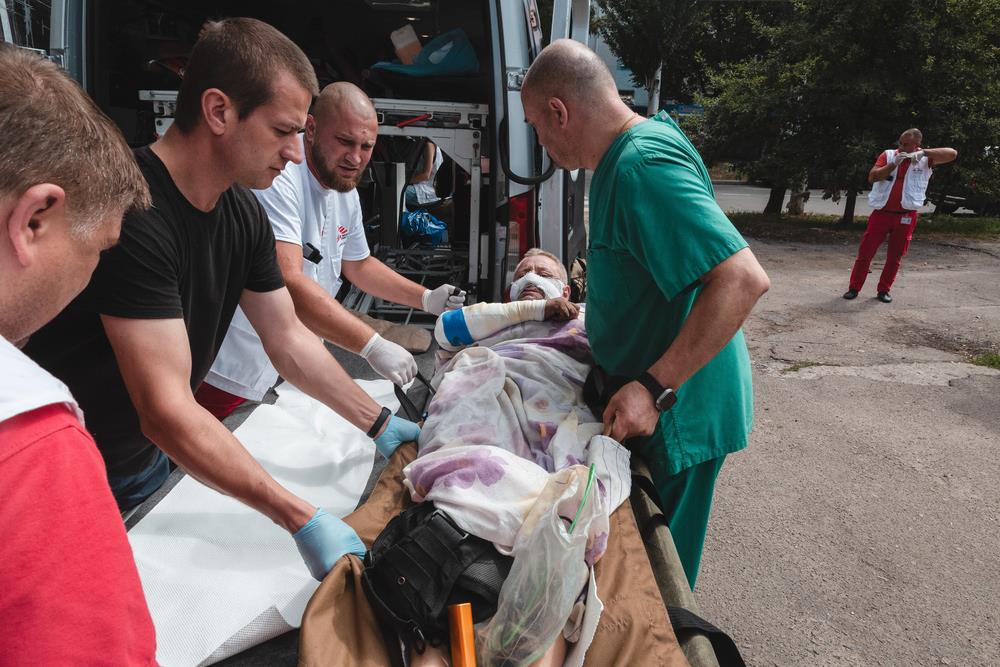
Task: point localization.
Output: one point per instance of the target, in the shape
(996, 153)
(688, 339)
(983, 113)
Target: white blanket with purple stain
(507, 415)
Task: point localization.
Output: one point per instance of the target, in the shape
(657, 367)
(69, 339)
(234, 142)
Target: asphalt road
(743, 197)
(860, 527)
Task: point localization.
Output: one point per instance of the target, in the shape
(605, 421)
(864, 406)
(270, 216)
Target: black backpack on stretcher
(421, 563)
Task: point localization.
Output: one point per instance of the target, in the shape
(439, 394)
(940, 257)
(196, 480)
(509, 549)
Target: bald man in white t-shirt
(316, 215)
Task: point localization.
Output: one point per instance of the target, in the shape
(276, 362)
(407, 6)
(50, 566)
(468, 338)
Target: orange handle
(463, 641)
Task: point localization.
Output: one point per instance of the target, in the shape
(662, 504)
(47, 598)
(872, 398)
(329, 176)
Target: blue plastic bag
(421, 224)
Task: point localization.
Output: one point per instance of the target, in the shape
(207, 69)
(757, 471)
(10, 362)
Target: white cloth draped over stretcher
(507, 414)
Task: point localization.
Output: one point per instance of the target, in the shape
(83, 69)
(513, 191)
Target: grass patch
(799, 365)
(959, 225)
(989, 359)
(828, 227)
(724, 172)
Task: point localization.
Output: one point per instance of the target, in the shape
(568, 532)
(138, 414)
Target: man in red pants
(899, 185)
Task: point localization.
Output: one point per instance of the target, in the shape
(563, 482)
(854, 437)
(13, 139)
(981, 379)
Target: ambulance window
(26, 23)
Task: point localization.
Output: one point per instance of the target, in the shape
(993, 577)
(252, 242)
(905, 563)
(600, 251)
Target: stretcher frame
(660, 550)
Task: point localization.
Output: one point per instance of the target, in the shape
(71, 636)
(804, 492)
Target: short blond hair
(52, 132)
(538, 252)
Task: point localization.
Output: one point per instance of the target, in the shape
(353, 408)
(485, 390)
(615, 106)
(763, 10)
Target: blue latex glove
(396, 433)
(324, 540)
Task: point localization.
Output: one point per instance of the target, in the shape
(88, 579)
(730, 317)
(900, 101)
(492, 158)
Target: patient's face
(543, 266)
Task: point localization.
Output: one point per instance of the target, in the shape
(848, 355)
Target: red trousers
(220, 403)
(880, 225)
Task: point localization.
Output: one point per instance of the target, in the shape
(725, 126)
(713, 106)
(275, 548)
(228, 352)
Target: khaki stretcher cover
(340, 628)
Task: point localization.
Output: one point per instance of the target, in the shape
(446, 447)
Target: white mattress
(218, 576)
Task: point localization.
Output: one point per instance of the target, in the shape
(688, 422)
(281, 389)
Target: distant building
(635, 96)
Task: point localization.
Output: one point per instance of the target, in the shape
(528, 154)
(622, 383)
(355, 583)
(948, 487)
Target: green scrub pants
(686, 502)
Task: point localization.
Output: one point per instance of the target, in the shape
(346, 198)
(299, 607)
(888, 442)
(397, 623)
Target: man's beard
(328, 176)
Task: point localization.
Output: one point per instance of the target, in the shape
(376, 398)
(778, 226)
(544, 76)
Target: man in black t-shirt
(137, 343)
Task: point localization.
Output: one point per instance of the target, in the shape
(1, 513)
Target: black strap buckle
(437, 515)
(311, 253)
(412, 412)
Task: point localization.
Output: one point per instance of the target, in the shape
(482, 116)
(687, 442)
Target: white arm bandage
(456, 329)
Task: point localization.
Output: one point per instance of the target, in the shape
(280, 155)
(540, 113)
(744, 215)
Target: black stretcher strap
(686, 622)
(414, 413)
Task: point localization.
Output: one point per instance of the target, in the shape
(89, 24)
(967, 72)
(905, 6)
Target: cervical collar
(550, 287)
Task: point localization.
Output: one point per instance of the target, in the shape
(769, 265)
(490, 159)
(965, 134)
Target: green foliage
(691, 39)
(645, 33)
(990, 359)
(841, 80)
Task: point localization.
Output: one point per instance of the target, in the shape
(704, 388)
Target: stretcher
(658, 573)
(639, 577)
(639, 583)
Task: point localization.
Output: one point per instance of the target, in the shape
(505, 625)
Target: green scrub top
(655, 229)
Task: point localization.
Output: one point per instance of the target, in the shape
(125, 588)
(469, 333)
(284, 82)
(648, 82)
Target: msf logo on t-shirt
(341, 234)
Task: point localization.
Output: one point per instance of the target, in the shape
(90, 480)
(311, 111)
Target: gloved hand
(915, 157)
(389, 360)
(324, 540)
(438, 300)
(396, 433)
(900, 157)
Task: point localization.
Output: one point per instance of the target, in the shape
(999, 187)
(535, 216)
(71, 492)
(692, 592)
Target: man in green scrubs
(670, 282)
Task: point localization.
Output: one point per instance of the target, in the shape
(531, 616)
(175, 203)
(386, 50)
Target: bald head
(340, 99)
(571, 101)
(340, 135)
(570, 71)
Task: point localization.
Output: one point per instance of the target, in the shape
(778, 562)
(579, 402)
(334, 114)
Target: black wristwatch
(663, 397)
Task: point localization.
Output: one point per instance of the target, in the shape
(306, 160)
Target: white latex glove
(389, 360)
(438, 300)
(900, 157)
(915, 157)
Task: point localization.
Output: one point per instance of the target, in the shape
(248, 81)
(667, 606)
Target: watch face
(666, 400)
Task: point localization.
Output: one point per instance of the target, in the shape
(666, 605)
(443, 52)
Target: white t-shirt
(26, 386)
(301, 211)
(425, 191)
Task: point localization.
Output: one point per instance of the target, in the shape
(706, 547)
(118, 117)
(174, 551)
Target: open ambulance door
(545, 203)
(561, 221)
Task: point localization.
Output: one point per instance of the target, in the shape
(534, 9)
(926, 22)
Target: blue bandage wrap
(455, 328)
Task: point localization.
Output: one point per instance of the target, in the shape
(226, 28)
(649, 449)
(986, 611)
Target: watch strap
(382, 417)
(654, 388)
(663, 397)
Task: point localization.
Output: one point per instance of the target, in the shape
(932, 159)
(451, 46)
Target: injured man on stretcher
(519, 506)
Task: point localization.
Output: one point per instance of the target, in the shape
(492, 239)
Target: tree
(843, 79)
(745, 95)
(645, 34)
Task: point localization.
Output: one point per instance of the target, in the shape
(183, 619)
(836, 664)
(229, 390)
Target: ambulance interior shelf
(456, 128)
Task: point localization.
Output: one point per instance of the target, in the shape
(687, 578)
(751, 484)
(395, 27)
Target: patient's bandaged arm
(456, 329)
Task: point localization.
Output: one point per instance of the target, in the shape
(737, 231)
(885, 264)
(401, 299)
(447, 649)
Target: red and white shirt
(71, 593)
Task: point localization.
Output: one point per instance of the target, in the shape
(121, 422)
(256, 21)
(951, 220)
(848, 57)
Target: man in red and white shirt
(899, 185)
(70, 590)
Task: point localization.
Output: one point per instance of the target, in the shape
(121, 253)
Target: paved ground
(861, 525)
